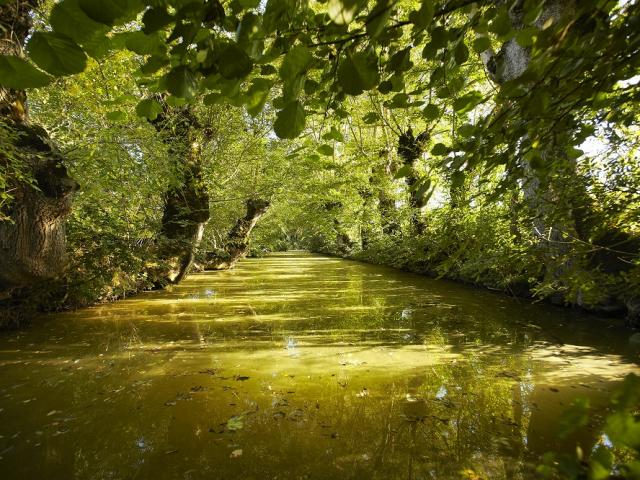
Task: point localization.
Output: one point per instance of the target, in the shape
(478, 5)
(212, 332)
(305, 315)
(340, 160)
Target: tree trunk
(409, 149)
(32, 234)
(542, 196)
(237, 244)
(381, 176)
(186, 207)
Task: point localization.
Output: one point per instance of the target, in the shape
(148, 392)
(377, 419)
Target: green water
(301, 367)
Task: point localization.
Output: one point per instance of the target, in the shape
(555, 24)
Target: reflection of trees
(450, 382)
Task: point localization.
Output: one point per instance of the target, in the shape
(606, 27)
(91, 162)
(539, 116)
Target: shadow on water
(301, 366)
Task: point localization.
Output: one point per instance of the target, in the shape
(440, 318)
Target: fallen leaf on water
(363, 393)
(235, 423)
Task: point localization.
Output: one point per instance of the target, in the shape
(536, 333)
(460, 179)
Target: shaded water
(300, 366)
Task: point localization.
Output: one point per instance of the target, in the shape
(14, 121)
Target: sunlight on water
(299, 366)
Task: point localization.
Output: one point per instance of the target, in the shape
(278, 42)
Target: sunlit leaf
(290, 121)
(17, 73)
(56, 54)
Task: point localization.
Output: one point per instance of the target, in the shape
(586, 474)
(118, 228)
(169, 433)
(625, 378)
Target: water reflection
(297, 366)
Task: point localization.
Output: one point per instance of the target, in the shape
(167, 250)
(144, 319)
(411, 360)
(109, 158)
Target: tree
(186, 207)
(32, 234)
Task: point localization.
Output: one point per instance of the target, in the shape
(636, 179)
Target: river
(299, 366)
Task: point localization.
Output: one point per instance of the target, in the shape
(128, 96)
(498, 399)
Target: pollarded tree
(186, 203)
(32, 235)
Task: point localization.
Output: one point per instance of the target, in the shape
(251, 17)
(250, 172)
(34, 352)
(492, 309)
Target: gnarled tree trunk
(186, 207)
(32, 235)
(381, 176)
(237, 244)
(409, 149)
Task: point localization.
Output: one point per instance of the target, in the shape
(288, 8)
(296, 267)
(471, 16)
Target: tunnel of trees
(495, 143)
(492, 142)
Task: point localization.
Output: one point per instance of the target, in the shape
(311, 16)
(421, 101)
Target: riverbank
(515, 276)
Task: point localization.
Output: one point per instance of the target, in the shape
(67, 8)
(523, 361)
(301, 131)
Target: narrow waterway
(302, 367)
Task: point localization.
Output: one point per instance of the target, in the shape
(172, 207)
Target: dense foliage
(491, 142)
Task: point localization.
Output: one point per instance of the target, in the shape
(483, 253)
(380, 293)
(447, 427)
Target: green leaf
(371, 117)
(576, 416)
(461, 53)
(257, 95)
(293, 69)
(117, 116)
(573, 152)
(234, 62)
(600, 463)
(501, 24)
(18, 74)
(481, 44)
(430, 112)
(267, 70)
(153, 64)
(399, 100)
(326, 150)
(378, 18)
(467, 102)
(343, 12)
(457, 179)
(175, 101)
(155, 19)
(403, 172)
(422, 18)
(181, 82)
(311, 86)
(527, 36)
(439, 149)
(424, 192)
(333, 134)
(56, 54)
(439, 37)
(400, 61)
(296, 62)
(213, 99)
(111, 12)
(385, 87)
(358, 72)
(67, 18)
(149, 109)
(143, 44)
(429, 51)
(235, 423)
(466, 130)
(277, 14)
(290, 121)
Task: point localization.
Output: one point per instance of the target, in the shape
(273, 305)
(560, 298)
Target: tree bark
(409, 149)
(381, 176)
(541, 196)
(186, 206)
(32, 238)
(237, 244)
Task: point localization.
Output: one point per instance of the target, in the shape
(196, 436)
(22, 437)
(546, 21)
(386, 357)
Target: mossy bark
(237, 243)
(410, 148)
(186, 204)
(32, 234)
